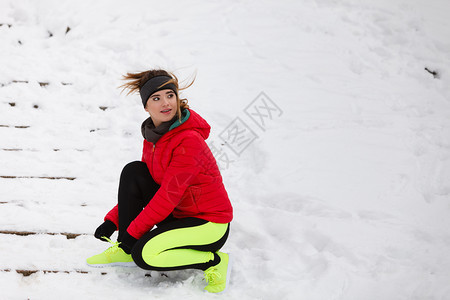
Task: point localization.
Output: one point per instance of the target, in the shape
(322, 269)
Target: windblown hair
(135, 81)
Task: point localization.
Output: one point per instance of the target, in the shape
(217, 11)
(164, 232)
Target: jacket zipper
(153, 156)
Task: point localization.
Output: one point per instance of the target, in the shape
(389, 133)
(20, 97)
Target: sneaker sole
(130, 264)
(229, 268)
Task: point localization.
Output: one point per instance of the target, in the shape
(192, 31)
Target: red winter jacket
(191, 185)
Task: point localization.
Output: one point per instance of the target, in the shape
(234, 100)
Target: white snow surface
(344, 194)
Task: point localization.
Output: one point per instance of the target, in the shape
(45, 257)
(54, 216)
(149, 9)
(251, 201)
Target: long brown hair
(136, 80)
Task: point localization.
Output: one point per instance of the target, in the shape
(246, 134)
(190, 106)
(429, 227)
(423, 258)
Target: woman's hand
(105, 230)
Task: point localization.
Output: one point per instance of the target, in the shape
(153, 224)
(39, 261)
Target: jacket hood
(190, 120)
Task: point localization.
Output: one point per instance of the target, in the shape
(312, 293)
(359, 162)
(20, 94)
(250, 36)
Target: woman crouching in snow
(177, 187)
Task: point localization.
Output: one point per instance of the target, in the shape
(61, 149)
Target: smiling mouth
(166, 111)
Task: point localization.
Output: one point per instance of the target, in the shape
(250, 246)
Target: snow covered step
(49, 218)
(53, 214)
(28, 137)
(68, 235)
(59, 164)
(55, 205)
(79, 192)
(28, 272)
(53, 253)
(52, 267)
(16, 107)
(52, 117)
(45, 252)
(83, 284)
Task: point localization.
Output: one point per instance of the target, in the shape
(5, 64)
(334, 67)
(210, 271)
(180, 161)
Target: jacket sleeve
(184, 166)
(113, 216)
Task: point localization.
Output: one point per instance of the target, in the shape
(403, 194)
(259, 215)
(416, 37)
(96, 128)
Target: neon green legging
(188, 243)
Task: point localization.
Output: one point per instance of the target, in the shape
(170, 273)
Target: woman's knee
(138, 257)
(133, 168)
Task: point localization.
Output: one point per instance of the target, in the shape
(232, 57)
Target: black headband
(155, 84)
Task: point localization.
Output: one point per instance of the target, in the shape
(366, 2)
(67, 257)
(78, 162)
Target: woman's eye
(155, 98)
(170, 95)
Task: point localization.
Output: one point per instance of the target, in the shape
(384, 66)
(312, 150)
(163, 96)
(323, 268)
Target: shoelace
(113, 248)
(212, 275)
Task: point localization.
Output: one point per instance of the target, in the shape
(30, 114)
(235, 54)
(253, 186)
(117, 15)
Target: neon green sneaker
(217, 276)
(113, 256)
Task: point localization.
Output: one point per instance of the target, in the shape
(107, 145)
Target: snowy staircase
(45, 181)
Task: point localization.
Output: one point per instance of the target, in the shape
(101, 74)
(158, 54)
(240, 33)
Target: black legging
(136, 189)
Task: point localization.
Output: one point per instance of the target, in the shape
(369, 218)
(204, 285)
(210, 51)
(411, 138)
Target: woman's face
(162, 106)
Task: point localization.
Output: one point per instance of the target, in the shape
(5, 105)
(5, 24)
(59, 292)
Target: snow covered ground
(342, 193)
